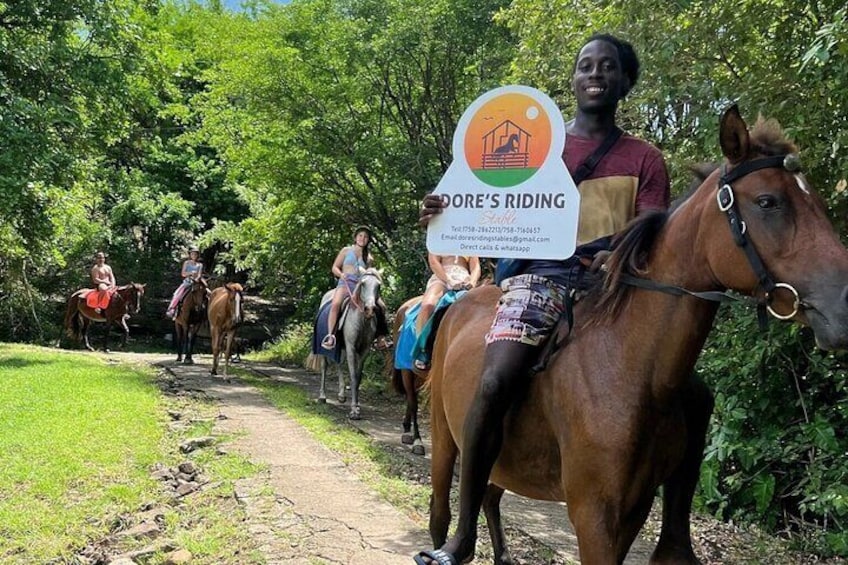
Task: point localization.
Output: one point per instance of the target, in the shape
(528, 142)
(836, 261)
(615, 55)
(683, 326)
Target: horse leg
(108, 326)
(407, 437)
(354, 365)
(411, 389)
(126, 330)
(342, 396)
(189, 345)
(230, 335)
(444, 452)
(675, 544)
(85, 325)
(215, 337)
(322, 397)
(178, 339)
(595, 520)
(492, 509)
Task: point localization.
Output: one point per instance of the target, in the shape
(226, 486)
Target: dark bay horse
(407, 383)
(358, 329)
(124, 302)
(190, 315)
(226, 313)
(617, 413)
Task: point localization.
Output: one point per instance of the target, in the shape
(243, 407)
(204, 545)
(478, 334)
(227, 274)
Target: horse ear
(733, 136)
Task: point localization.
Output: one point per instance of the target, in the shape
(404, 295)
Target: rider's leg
(504, 378)
(431, 297)
(335, 305)
(175, 299)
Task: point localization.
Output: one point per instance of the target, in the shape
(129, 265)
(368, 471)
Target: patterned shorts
(528, 310)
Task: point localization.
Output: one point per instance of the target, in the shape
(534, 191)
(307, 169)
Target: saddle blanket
(409, 346)
(320, 329)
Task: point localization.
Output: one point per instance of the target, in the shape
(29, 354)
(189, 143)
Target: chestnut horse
(124, 302)
(191, 313)
(407, 383)
(226, 313)
(617, 412)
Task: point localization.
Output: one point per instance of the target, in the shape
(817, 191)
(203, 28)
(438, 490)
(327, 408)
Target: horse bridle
(354, 296)
(727, 204)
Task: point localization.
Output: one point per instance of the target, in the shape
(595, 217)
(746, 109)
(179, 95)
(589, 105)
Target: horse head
(236, 292)
(133, 297)
(368, 290)
(764, 232)
(199, 295)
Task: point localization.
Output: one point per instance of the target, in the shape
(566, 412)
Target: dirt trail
(319, 511)
(323, 512)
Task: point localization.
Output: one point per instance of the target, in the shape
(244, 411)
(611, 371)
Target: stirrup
(421, 365)
(329, 341)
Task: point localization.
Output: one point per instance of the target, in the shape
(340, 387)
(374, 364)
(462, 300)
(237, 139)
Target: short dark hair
(626, 55)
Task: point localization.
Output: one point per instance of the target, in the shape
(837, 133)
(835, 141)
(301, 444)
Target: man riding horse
(622, 177)
(104, 284)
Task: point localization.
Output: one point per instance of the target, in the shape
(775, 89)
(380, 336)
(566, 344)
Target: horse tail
(314, 362)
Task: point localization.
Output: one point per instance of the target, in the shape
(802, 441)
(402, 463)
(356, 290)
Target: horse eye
(766, 201)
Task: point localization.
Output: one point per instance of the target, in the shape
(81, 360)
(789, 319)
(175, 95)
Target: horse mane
(631, 248)
(768, 139)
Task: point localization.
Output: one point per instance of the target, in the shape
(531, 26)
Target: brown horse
(407, 383)
(617, 412)
(124, 302)
(226, 314)
(190, 316)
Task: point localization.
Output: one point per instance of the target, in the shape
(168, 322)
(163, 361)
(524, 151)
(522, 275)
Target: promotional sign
(508, 191)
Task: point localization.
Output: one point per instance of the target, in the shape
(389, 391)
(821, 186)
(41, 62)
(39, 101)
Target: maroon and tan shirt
(630, 179)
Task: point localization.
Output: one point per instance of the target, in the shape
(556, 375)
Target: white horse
(358, 326)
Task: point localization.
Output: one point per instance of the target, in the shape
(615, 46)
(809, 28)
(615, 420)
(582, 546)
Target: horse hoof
(418, 449)
(355, 415)
(322, 401)
(189, 362)
(213, 372)
(342, 399)
(407, 439)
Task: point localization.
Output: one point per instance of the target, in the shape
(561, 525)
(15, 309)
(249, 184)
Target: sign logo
(507, 140)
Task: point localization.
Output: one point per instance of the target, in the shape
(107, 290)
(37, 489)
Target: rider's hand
(430, 206)
(599, 260)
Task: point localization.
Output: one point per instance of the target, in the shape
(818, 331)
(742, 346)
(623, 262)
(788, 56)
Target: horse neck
(662, 334)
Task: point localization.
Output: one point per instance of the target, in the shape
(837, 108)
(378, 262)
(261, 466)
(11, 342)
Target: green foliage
(290, 349)
(774, 454)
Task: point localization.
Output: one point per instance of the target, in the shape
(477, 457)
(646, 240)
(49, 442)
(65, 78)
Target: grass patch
(290, 349)
(77, 438)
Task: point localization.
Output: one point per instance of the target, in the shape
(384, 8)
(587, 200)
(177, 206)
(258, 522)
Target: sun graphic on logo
(507, 140)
